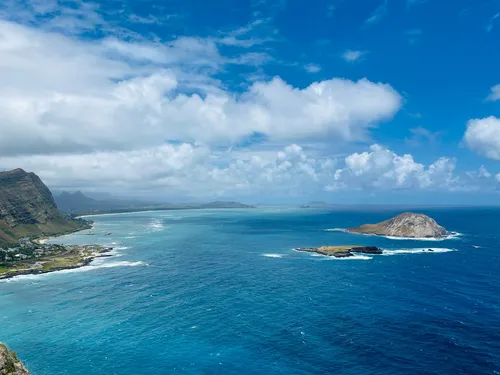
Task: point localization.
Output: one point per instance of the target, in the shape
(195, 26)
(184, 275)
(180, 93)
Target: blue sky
(289, 101)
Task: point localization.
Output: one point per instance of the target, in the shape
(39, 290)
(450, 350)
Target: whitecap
(93, 266)
(450, 236)
(354, 257)
(156, 225)
(476, 247)
(272, 255)
(417, 251)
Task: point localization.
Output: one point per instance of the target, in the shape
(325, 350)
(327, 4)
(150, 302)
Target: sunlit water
(223, 291)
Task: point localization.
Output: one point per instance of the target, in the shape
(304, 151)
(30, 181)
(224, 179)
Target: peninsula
(341, 251)
(32, 258)
(28, 212)
(406, 225)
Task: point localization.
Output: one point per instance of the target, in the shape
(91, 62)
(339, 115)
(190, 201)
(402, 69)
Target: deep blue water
(222, 292)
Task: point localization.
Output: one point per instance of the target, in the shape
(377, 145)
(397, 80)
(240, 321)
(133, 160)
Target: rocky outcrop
(27, 208)
(9, 363)
(341, 251)
(406, 225)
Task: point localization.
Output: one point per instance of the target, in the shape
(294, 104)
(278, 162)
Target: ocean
(223, 292)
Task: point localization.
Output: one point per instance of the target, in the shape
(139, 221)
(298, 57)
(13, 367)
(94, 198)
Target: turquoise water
(222, 292)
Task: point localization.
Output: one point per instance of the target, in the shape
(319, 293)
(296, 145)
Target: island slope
(406, 225)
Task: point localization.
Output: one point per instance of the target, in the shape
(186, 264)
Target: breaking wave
(426, 250)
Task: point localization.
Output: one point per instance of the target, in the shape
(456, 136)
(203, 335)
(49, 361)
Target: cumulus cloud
(61, 94)
(483, 137)
(184, 169)
(381, 168)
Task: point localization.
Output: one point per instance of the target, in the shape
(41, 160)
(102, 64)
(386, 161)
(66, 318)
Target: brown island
(342, 251)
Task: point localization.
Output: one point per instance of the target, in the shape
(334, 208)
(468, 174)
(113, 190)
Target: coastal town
(35, 257)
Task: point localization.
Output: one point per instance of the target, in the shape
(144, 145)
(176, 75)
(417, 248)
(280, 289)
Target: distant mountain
(316, 204)
(75, 202)
(79, 204)
(222, 204)
(27, 208)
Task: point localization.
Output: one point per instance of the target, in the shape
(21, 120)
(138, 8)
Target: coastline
(68, 257)
(34, 271)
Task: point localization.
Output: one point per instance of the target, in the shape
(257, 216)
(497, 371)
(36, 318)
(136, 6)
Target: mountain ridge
(27, 208)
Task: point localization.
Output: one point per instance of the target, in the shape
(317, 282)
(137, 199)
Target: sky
(344, 101)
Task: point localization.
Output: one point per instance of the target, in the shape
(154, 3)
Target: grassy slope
(9, 236)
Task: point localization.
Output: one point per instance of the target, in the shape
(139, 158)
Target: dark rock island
(341, 251)
(406, 225)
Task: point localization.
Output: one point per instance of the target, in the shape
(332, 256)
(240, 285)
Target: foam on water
(450, 236)
(156, 225)
(417, 251)
(97, 264)
(272, 255)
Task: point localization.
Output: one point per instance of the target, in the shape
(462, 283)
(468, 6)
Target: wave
(355, 257)
(426, 250)
(97, 264)
(272, 255)
(156, 225)
(450, 236)
(476, 247)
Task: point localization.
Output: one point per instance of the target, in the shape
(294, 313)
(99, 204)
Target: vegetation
(9, 363)
(35, 258)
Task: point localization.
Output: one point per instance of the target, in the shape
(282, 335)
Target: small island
(406, 225)
(341, 251)
(32, 258)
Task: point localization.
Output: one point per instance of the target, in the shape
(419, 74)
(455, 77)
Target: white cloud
(352, 56)
(312, 68)
(491, 24)
(381, 168)
(483, 137)
(59, 93)
(377, 15)
(495, 94)
(185, 169)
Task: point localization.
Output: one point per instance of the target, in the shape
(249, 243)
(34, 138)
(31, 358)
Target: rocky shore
(9, 363)
(342, 251)
(32, 258)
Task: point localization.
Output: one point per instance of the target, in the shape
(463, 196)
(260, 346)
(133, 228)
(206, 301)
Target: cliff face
(27, 208)
(9, 363)
(407, 225)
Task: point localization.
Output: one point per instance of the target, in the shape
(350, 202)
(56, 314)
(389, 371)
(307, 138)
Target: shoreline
(449, 235)
(35, 271)
(77, 256)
